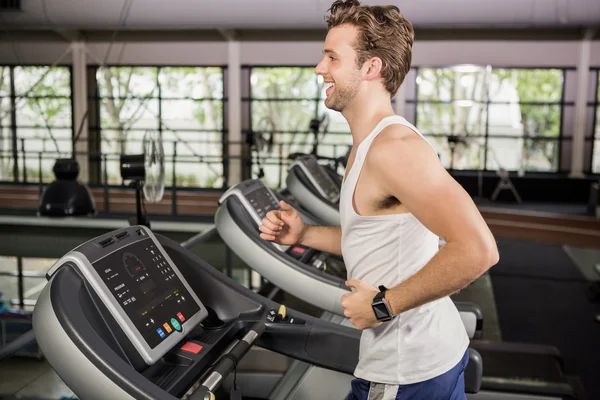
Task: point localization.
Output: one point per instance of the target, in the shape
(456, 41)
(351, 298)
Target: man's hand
(357, 305)
(283, 226)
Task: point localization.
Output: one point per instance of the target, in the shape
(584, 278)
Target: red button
(298, 250)
(180, 316)
(191, 347)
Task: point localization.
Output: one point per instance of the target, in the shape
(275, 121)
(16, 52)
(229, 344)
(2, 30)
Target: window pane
(596, 160)
(285, 83)
(458, 152)
(337, 122)
(190, 126)
(531, 85)
(8, 264)
(541, 120)
(505, 153)
(505, 120)
(199, 158)
(6, 155)
(5, 119)
(4, 81)
(454, 83)
(192, 114)
(44, 119)
(44, 112)
(541, 155)
(191, 82)
(206, 171)
(523, 154)
(43, 81)
(9, 287)
(271, 116)
(451, 119)
(33, 286)
(129, 113)
(45, 146)
(125, 82)
(6, 164)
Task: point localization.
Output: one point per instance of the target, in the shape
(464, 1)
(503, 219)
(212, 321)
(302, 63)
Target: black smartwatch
(381, 308)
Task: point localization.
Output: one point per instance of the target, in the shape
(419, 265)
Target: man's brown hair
(383, 32)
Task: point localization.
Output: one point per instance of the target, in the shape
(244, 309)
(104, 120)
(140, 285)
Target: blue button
(160, 332)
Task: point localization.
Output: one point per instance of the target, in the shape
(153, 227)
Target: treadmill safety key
(191, 347)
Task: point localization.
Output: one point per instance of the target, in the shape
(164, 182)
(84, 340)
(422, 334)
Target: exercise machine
(316, 188)
(134, 315)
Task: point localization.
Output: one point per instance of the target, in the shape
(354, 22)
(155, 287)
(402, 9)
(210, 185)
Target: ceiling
(289, 14)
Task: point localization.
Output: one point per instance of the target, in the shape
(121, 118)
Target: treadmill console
(257, 200)
(319, 178)
(141, 287)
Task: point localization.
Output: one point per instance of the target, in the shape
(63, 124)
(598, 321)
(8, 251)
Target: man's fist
(357, 304)
(283, 226)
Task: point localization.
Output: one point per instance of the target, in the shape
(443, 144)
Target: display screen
(148, 290)
(326, 184)
(262, 201)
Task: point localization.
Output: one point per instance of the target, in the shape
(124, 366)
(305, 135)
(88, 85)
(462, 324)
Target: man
(397, 200)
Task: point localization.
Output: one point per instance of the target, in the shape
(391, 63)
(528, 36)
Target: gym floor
(535, 294)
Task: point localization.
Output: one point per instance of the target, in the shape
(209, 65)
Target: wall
(425, 53)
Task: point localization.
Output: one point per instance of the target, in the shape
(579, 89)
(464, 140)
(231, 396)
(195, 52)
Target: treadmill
(316, 188)
(134, 315)
(511, 370)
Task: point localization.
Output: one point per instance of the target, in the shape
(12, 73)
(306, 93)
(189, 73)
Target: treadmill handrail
(235, 215)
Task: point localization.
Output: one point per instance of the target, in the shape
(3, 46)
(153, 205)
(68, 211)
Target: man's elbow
(488, 256)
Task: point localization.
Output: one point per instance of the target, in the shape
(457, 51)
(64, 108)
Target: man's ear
(372, 68)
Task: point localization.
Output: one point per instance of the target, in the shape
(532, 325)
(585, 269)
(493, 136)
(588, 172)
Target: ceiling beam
(229, 34)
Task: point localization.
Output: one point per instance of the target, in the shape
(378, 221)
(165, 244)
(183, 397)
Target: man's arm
(410, 171)
(323, 238)
(286, 227)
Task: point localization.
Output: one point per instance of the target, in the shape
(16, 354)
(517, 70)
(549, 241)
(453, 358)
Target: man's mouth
(329, 86)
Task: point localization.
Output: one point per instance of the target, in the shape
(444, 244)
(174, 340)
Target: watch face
(381, 312)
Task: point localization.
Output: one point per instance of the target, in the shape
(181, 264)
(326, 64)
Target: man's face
(338, 67)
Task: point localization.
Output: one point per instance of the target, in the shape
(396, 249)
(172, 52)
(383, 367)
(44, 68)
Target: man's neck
(363, 116)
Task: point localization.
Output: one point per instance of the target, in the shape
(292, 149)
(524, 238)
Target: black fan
(147, 171)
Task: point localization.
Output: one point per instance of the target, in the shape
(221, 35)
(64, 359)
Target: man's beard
(341, 97)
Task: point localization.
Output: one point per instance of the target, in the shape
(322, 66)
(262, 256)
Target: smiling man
(397, 200)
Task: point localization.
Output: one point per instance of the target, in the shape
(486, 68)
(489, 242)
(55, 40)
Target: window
(36, 124)
(28, 274)
(490, 118)
(283, 102)
(596, 156)
(185, 104)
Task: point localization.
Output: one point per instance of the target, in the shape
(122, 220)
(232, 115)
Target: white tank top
(421, 343)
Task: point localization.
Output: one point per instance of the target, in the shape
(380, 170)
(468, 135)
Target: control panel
(142, 289)
(320, 179)
(150, 293)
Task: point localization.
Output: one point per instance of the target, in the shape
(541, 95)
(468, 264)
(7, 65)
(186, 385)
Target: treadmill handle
(226, 364)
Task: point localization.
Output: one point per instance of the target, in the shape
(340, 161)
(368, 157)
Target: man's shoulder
(397, 141)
